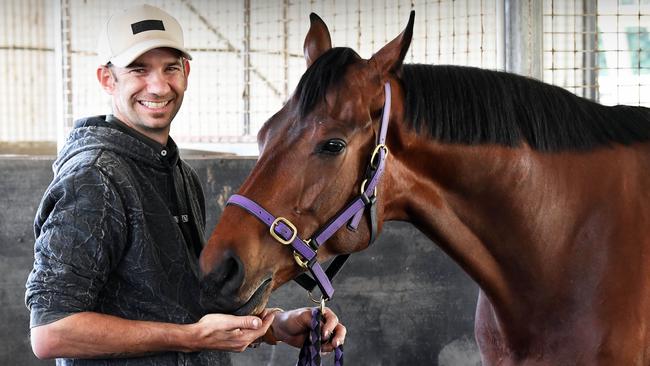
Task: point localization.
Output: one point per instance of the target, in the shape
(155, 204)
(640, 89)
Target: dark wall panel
(404, 302)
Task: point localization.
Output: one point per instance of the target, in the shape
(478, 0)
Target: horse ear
(318, 39)
(390, 57)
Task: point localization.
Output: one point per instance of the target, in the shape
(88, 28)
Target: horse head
(314, 158)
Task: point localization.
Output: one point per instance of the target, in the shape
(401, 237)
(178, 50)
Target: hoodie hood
(100, 133)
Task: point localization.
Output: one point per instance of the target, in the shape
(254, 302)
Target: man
(120, 228)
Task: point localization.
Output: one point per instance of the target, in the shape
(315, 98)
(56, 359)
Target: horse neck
(470, 200)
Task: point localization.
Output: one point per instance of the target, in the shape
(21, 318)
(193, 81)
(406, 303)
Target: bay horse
(541, 196)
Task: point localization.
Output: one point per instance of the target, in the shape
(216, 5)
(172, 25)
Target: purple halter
(304, 252)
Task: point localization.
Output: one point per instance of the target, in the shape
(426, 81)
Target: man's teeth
(154, 104)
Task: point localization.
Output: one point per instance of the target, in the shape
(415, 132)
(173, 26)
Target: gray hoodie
(118, 232)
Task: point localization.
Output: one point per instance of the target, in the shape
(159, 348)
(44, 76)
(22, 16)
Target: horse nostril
(232, 274)
(220, 287)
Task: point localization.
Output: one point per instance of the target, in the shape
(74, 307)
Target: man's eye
(332, 147)
(138, 71)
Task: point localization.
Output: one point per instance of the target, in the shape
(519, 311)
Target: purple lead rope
(310, 351)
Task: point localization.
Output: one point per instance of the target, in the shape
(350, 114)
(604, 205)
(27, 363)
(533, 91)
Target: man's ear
(106, 79)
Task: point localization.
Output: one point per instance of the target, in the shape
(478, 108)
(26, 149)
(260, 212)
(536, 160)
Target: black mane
(324, 73)
(468, 105)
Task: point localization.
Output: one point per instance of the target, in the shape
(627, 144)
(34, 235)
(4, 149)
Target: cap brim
(128, 56)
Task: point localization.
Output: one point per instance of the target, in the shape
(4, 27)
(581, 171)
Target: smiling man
(148, 93)
(119, 229)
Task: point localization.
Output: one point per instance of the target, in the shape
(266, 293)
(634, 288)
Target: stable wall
(403, 301)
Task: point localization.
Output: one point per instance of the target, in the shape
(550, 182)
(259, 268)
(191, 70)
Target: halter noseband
(304, 252)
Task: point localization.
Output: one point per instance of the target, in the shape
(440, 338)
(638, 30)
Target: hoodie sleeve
(80, 236)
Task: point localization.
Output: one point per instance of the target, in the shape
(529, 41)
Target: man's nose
(158, 83)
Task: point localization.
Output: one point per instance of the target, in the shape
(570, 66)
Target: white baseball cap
(131, 32)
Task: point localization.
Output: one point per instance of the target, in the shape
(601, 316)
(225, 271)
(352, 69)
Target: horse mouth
(255, 300)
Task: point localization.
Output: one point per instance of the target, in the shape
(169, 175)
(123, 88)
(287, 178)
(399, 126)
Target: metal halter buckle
(278, 237)
(320, 302)
(375, 154)
(363, 187)
(301, 262)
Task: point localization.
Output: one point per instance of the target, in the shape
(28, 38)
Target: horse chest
(579, 342)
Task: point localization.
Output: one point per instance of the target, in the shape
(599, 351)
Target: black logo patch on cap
(147, 25)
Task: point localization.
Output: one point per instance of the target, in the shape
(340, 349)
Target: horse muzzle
(221, 288)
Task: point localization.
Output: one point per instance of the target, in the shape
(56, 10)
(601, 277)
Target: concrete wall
(403, 301)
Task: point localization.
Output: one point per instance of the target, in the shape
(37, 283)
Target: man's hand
(95, 335)
(293, 326)
(230, 332)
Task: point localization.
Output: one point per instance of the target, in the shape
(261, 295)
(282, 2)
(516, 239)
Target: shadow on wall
(403, 301)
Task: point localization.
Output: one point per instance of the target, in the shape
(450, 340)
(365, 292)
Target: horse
(541, 196)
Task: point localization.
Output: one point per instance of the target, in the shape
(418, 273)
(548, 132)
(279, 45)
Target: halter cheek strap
(282, 230)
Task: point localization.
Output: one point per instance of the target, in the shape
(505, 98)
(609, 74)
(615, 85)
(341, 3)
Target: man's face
(148, 93)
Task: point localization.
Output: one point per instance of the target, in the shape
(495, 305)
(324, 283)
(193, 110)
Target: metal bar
(63, 59)
(358, 25)
(247, 67)
(590, 44)
(26, 48)
(189, 49)
(285, 48)
(216, 138)
(500, 34)
(523, 37)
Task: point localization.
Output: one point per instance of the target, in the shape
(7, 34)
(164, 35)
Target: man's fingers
(266, 312)
(337, 339)
(252, 335)
(233, 323)
(339, 335)
(232, 333)
(330, 321)
(249, 322)
(267, 321)
(333, 332)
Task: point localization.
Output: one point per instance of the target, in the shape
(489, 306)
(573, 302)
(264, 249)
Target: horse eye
(332, 147)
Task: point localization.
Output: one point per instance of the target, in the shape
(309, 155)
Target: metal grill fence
(599, 49)
(248, 53)
(247, 56)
